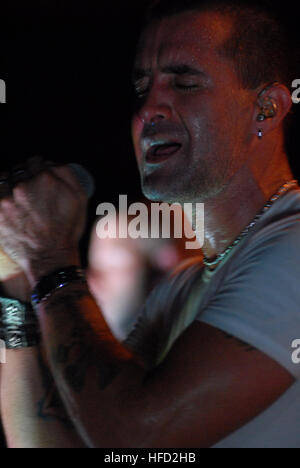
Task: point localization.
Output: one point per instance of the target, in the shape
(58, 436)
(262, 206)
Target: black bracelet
(19, 327)
(56, 280)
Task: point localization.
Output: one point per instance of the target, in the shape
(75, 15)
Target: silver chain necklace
(287, 186)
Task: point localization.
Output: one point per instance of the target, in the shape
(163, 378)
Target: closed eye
(186, 86)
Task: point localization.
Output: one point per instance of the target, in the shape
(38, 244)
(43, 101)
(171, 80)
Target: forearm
(87, 363)
(32, 414)
(40, 228)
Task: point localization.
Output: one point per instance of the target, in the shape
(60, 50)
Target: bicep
(208, 386)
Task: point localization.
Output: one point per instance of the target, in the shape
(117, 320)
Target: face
(191, 125)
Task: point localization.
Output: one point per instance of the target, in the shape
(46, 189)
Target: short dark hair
(259, 45)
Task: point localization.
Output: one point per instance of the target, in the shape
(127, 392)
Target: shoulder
(273, 244)
(258, 298)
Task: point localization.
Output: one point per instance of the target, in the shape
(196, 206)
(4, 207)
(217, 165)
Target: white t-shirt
(253, 295)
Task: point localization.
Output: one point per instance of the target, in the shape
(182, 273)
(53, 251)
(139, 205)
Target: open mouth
(161, 151)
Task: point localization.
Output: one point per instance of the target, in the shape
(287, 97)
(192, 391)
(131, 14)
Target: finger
(25, 176)
(67, 175)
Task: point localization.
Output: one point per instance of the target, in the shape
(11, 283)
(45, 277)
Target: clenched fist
(42, 217)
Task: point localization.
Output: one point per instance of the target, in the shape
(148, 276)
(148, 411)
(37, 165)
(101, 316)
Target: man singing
(209, 363)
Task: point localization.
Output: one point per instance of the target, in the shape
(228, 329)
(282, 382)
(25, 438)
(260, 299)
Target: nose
(155, 108)
(153, 115)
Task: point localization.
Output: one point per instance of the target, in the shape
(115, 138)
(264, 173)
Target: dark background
(67, 67)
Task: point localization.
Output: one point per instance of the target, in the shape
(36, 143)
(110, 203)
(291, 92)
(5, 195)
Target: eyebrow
(178, 69)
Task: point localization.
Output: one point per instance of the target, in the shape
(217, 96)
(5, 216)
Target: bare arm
(32, 413)
(207, 387)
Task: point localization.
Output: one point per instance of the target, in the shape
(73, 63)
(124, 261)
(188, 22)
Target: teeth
(163, 143)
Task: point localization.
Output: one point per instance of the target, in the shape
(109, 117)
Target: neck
(228, 214)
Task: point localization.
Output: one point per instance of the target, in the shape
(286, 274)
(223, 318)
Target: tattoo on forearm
(50, 406)
(77, 358)
(81, 350)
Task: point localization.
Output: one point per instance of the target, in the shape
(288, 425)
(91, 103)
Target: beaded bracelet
(47, 286)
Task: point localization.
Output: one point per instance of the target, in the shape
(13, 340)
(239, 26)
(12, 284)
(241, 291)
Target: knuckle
(70, 177)
(46, 177)
(46, 182)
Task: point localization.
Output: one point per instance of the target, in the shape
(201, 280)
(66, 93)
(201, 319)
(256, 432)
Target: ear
(280, 95)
